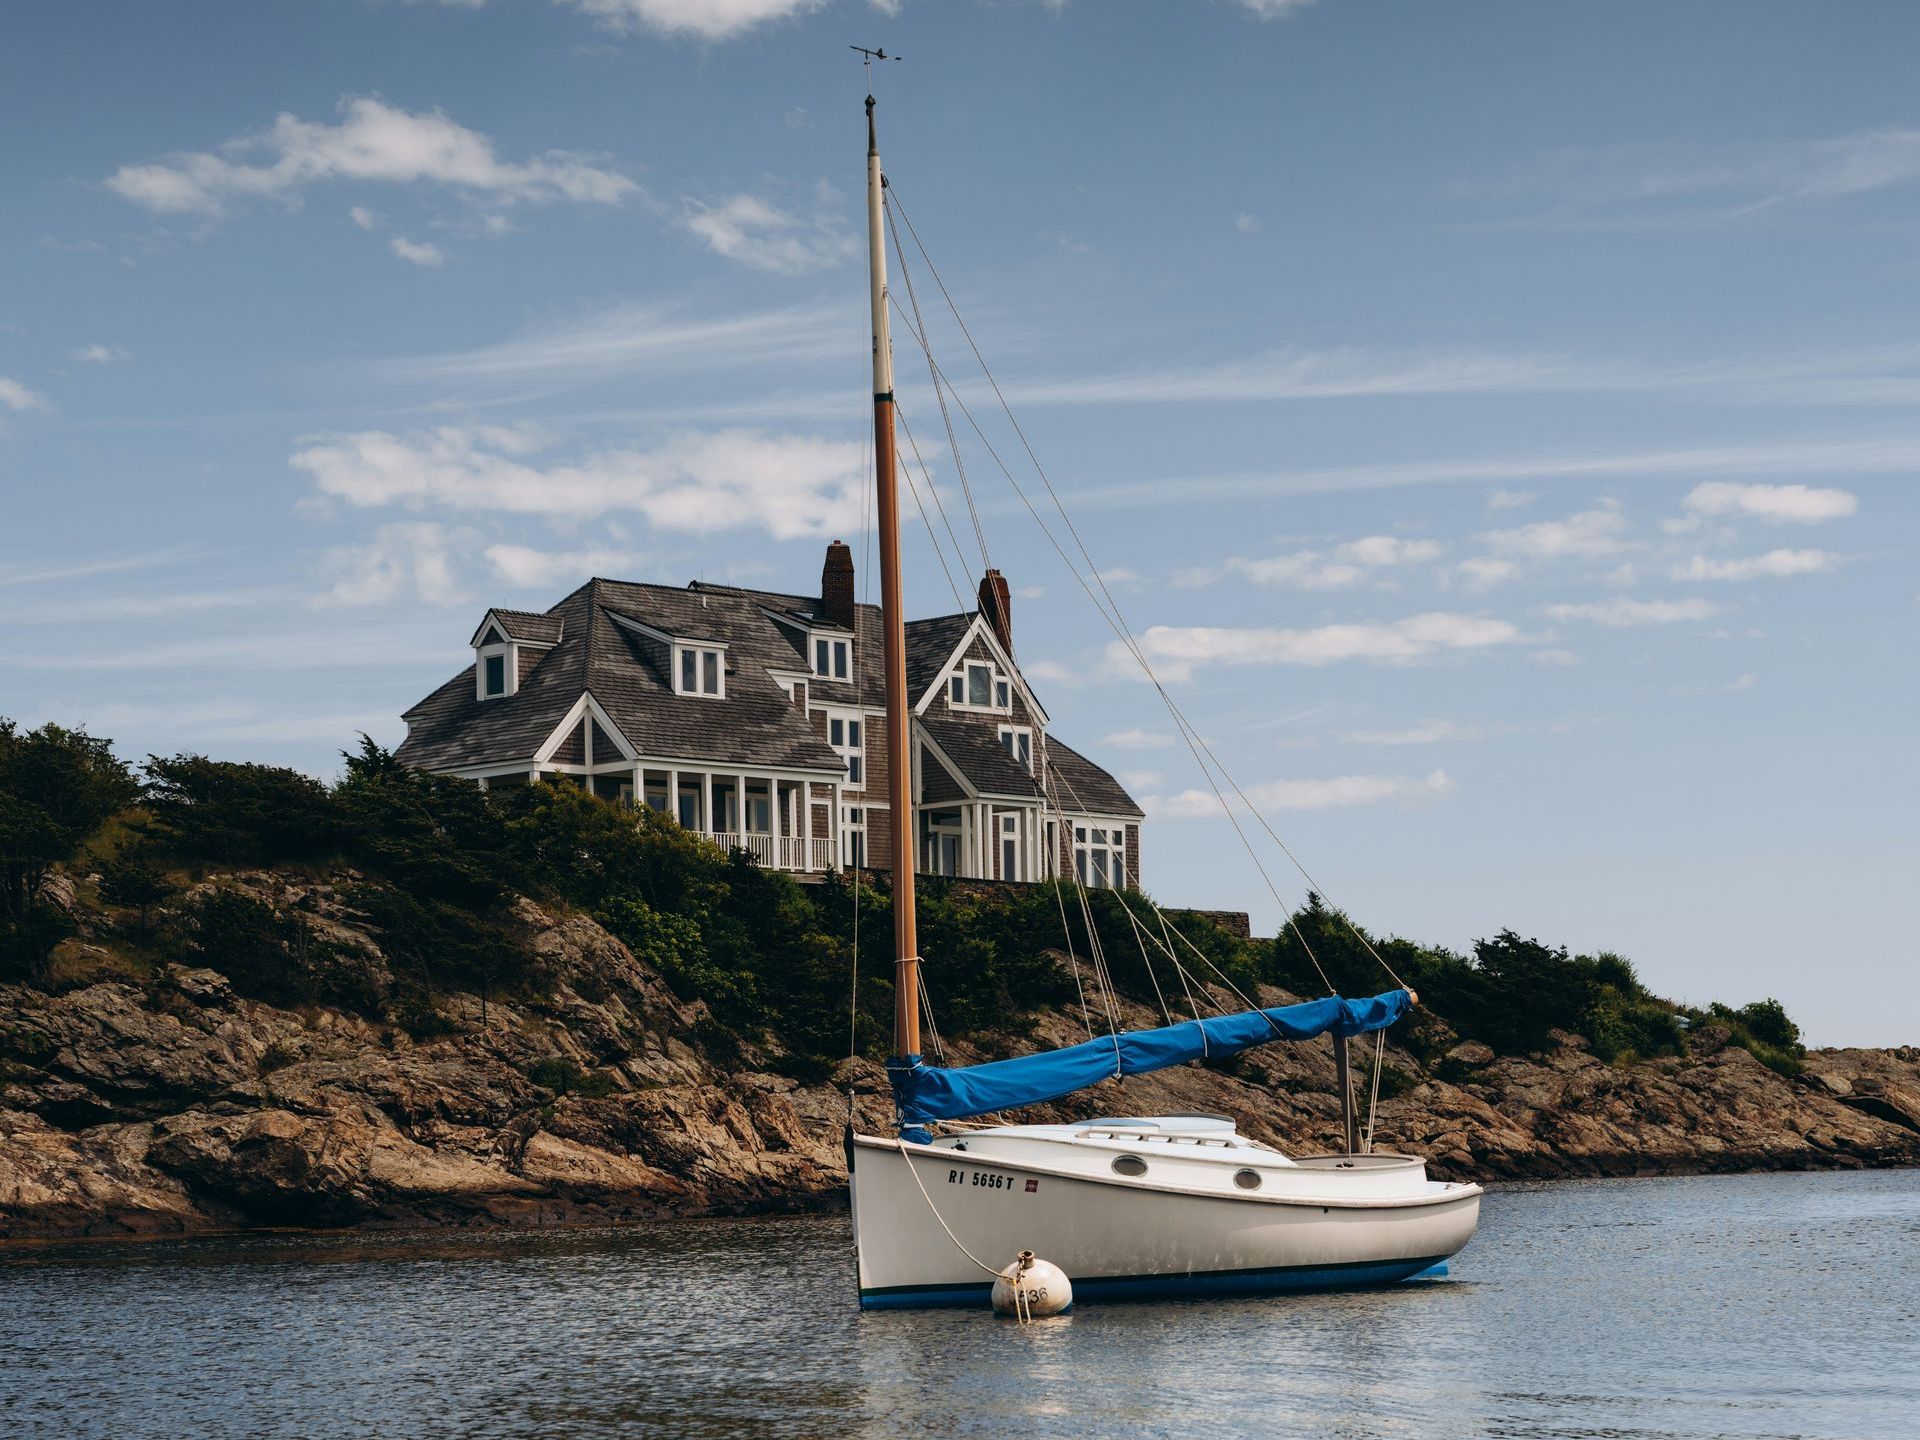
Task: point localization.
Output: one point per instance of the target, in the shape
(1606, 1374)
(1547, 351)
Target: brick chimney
(836, 585)
(996, 603)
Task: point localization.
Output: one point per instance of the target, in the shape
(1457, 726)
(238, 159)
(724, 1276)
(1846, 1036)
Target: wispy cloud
(1427, 732)
(763, 236)
(1335, 792)
(1775, 564)
(1586, 535)
(696, 19)
(1782, 504)
(43, 572)
(101, 354)
(1893, 455)
(417, 252)
(636, 338)
(1177, 652)
(1622, 612)
(373, 142)
(1679, 185)
(1137, 740)
(1313, 570)
(790, 486)
(19, 399)
(409, 561)
(527, 568)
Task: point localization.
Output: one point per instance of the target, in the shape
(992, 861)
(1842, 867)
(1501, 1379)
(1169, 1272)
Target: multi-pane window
(830, 658)
(977, 686)
(1100, 856)
(1017, 741)
(844, 734)
(700, 671)
(853, 829)
(1009, 847)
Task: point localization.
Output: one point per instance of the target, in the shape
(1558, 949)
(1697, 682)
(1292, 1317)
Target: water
(1784, 1305)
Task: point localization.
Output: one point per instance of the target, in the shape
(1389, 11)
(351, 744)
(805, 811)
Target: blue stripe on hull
(1278, 1280)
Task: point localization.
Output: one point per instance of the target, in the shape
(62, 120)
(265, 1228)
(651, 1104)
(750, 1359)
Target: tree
(135, 883)
(240, 814)
(57, 787)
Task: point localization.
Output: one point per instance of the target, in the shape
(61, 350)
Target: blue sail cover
(924, 1093)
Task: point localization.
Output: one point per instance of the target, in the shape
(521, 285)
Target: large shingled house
(756, 718)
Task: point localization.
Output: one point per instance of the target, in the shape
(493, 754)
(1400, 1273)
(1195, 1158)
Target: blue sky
(1496, 418)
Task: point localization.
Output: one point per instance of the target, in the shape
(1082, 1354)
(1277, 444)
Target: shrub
(135, 884)
(238, 814)
(563, 1077)
(57, 787)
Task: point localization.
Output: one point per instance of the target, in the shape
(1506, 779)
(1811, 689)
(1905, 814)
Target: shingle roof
(525, 625)
(1083, 785)
(756, 724)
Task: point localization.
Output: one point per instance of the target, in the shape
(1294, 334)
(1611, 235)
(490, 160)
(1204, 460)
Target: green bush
(57, 788)
(240, 815)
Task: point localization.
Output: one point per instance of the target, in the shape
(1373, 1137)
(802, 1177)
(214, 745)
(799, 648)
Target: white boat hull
(1180, 1229)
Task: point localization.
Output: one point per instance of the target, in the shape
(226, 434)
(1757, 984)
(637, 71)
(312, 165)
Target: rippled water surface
(1746, 1306)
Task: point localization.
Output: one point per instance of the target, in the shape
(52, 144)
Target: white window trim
(509, 670)
(983, 633)
(995, 678)
(1014, 751)
(845, 750)
(839, 646)
(700, 649)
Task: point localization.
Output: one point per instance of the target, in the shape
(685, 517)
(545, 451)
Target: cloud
(1428, 732)
(1311, 570)
(417, 252)
(1622, 612)
(1693, 185)
(1141, 779)
(1781, 504)
(527, 568)
(635, 338)
(373, 141)
(1049, 672)
(364, 218)
(19, 399)
(1137, 740)
(1246, 224)
(699, 19)
(1590, 533)
(1893, 455)
(1178, 651)
(1556, 657)
(1485, 571)
(1337, 792)
(1774, 564)
(412, 560)
(699, 482)
(99, 354)
(1509, 499)
(1273, 9)
(762, 236)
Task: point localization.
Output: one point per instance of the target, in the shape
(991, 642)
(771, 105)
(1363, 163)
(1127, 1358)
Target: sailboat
(1163, 1205)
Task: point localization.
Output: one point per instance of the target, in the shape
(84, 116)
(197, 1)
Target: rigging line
(1118, 620)
(914, 491)
(936, 1213)
(871, 470)
(933, 493)
(926, 346)
(1117, 624)
(1373, 1099)
(1145, 960)
(1072, 959)
(1167, 944)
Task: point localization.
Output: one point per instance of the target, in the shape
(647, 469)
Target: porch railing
(778, 852)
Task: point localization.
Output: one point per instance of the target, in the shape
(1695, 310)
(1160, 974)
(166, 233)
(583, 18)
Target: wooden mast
(906, 947)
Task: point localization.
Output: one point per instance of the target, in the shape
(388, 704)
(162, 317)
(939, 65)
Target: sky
(1496, 420)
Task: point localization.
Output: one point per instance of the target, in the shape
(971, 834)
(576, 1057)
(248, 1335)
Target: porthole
(1247, 1179)
(1129, 1165)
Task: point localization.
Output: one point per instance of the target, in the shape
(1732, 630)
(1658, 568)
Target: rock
(176, 1106)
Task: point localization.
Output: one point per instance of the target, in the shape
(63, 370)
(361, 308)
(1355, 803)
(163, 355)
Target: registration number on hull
(983, 1180)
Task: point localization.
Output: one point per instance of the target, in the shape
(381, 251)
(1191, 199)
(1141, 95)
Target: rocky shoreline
(170, 1105)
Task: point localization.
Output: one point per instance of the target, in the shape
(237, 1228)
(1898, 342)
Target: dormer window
(1017, 741)
(830, 657)
(977, 685)
(699, 670)
(496, 676)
